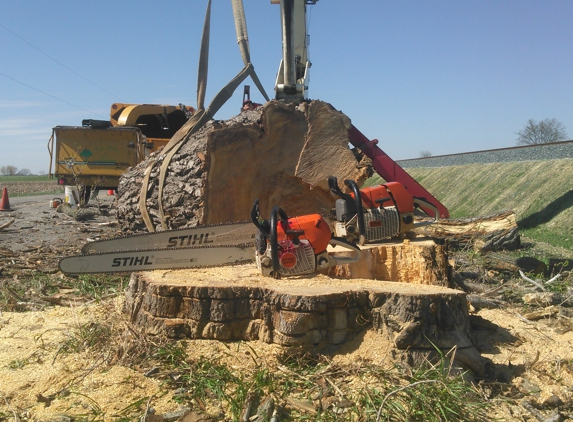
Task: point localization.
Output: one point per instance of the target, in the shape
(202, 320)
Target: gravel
(552, 151)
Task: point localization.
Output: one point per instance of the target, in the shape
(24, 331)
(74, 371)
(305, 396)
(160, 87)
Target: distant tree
(425, 154)
(24, 172)
(42, 173)
(548, 130)
(8, 170)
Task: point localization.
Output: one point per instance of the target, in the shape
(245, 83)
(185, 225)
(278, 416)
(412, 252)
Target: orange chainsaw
(298, 245)
(376, 213)
(282, 246)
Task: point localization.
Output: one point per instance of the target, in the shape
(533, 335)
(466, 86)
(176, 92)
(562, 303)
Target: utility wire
(50, 95)
(60, 63)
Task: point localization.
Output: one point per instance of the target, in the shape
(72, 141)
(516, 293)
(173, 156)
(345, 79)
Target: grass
(559, 236)
(8, 179)
(87, 336)
(369, 392)
(35, 287)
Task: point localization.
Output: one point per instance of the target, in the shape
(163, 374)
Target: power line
(49, 95)
(60, 63)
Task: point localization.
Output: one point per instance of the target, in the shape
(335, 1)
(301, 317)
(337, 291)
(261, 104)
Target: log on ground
(485, 233)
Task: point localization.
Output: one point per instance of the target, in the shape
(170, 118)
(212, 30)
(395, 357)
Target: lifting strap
(203, 115)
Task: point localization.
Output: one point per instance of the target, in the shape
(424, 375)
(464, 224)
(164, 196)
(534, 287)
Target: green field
(539, 192)
(11, 179)
(29, 185)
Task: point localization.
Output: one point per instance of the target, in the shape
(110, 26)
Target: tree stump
(283, 155)
(237, 303)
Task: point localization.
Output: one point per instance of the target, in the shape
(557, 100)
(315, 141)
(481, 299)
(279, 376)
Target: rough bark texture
(281, 154)
(485, 234)
(236, 303)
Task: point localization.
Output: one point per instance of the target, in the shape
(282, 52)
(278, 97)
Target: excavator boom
(293, 76)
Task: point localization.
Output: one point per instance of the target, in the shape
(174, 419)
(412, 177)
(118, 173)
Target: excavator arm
(293, 76)
(292, 86)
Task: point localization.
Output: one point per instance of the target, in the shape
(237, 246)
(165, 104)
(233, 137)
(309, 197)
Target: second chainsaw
(376, 213)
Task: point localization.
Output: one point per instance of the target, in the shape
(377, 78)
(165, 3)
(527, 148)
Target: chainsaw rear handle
(333, 185)
(274, 242)
(276, 214)
(353, 205)
(419, 202)
(359, 210)
(255, 215)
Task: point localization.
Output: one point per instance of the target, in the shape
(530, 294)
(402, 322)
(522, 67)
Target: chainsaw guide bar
(159, 259)
(210, 235)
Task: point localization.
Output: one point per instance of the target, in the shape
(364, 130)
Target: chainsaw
(376, 213)
(295, 246)
(280, 246)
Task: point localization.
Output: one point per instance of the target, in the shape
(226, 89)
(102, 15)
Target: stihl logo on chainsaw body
(131, 261)
(190, 240)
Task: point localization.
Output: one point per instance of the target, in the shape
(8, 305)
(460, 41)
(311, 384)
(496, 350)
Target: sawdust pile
(41, 379)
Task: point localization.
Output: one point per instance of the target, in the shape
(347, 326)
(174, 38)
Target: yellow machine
(96, 154)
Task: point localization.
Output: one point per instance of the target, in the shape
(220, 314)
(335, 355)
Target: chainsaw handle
(333, 185)
(255, 215)
(274, 241)
(419, 202)
(359, 210)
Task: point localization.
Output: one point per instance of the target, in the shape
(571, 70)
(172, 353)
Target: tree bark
(280, 154)
(237, 303)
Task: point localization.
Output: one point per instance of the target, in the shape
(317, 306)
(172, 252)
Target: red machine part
(389, 194)
(312, 227)
(391, 171)
(403, 198)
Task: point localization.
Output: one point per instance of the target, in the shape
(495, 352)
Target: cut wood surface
(485, 224)
(417, 261)
(280, 154)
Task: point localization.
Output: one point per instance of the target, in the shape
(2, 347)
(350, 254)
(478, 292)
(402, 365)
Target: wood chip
(304, 406)
(548, 312)
(8, 224)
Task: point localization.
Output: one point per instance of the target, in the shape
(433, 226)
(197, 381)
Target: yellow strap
(143, 200)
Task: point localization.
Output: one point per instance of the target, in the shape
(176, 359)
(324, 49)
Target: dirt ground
(532, 358)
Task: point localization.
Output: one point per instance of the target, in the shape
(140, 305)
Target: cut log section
(280, 154)
(485, 234)
(418, 261)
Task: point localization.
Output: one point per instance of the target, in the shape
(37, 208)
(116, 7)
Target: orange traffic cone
(5, 203)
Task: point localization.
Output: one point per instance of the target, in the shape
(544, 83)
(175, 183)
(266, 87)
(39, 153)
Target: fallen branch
(553, 279)
(535, 283)
(479, 302)
(8, 224)
(543, 313)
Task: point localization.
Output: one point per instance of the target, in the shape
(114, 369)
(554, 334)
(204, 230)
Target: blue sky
(438, 76)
